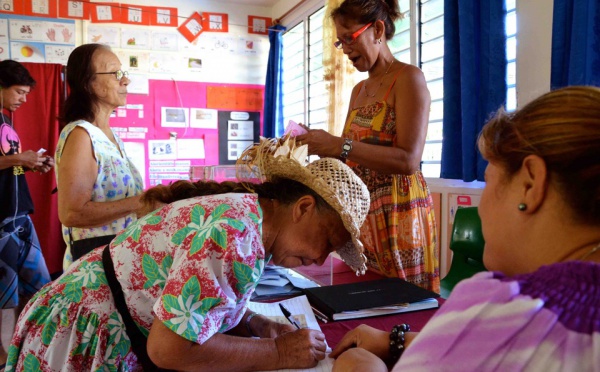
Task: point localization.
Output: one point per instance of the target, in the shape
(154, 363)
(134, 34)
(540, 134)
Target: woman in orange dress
(383, 142)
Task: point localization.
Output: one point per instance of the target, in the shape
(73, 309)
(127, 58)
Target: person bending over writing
(540, 212)
(186, 272)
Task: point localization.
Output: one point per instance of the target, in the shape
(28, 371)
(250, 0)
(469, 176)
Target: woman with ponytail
(171, 291)
(383, 142)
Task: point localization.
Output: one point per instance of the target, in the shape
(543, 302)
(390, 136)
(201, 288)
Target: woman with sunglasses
(98, 186)
(383, 142)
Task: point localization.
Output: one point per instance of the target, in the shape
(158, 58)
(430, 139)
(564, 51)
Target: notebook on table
(370, 298)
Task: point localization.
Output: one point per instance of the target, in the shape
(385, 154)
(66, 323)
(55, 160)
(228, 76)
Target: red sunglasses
(349, 40)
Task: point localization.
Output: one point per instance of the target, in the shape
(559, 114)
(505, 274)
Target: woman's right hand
(303, 348)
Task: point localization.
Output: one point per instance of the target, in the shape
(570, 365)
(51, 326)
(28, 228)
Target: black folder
(370, 298)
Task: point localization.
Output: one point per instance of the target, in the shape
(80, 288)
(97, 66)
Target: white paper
(240, 130)
(136, 153)
(236, 148)
(139, 84)
(204, 118)
(190, 148)
(75, 9)
(175, 117)
(163, 16)
(302, 312)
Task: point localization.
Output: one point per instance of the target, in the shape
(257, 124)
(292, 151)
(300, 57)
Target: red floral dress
(192, 264)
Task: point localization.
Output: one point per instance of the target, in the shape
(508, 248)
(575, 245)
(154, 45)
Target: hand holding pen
(289, 316)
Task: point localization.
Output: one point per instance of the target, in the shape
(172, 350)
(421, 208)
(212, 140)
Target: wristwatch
(346, 148)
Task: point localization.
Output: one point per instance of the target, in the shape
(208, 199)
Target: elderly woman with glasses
(98, 186)
(383, 141)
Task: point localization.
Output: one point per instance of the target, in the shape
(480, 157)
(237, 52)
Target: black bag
(83, 246)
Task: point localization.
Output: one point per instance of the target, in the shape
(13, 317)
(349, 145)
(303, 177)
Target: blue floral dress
(192, 264)
(117, 179)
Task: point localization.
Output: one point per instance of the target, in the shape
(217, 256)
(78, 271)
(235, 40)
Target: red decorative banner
(215, 22)
(73, 9)
(161, 16)
(15, 8)
(259, 25)
(105, 12)
(135, 15)
(44, 8)
(192, 27)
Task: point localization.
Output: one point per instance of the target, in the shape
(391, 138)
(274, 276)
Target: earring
(522, 207)
(379, 41)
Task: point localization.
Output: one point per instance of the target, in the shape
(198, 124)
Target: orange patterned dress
(400, 232)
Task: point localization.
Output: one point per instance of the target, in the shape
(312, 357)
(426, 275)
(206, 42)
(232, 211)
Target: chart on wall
(33, 39)
(237, 131)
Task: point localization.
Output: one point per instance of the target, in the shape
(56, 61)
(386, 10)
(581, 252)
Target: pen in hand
(289, 316)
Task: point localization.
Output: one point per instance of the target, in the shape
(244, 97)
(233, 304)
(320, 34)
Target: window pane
(511, 73)
(511, 99)
(432, 30)
(511, 48)
(400, 41)
(436, 89)
(432, 9)
(511, 23)
(434, 69)
(432, 50)
(433, 151)
(437, 111)
(434, 132)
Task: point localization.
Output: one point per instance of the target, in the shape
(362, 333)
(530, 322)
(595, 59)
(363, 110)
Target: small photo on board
(174, 117)
(162, 149)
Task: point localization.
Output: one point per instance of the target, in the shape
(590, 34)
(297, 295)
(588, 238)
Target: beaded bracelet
(397, 341)
(247, 322)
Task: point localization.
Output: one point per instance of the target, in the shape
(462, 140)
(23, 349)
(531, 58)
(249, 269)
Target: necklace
(380, 82)
(591, 252)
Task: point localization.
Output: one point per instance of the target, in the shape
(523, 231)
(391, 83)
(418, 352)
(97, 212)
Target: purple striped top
(546, 320)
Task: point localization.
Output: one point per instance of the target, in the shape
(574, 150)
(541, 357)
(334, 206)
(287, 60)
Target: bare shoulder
(410, 81)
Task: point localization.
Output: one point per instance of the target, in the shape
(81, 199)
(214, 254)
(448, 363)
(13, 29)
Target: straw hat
(330, 178)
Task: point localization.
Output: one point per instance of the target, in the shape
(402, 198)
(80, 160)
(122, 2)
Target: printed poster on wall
(58, 53)
(110, 36)
(27, 52)
(176, 117)
(166, 41)
(4, 41)
(135, 39)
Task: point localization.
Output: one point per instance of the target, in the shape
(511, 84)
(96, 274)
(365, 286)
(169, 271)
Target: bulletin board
(176, 126)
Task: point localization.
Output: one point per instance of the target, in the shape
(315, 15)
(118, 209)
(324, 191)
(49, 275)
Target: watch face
(346, 147)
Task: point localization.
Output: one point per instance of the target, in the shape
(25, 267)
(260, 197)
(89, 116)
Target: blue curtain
(575, 43)
(273, 110)
(474, 81)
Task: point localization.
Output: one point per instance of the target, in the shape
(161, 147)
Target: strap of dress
(137, 338)
(393, 82)
(359, 88)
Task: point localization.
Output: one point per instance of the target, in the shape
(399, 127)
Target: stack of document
(279, 282)
(370, 298)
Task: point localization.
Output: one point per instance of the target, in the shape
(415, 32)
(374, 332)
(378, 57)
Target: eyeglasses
(349, 40)
(119, 74)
